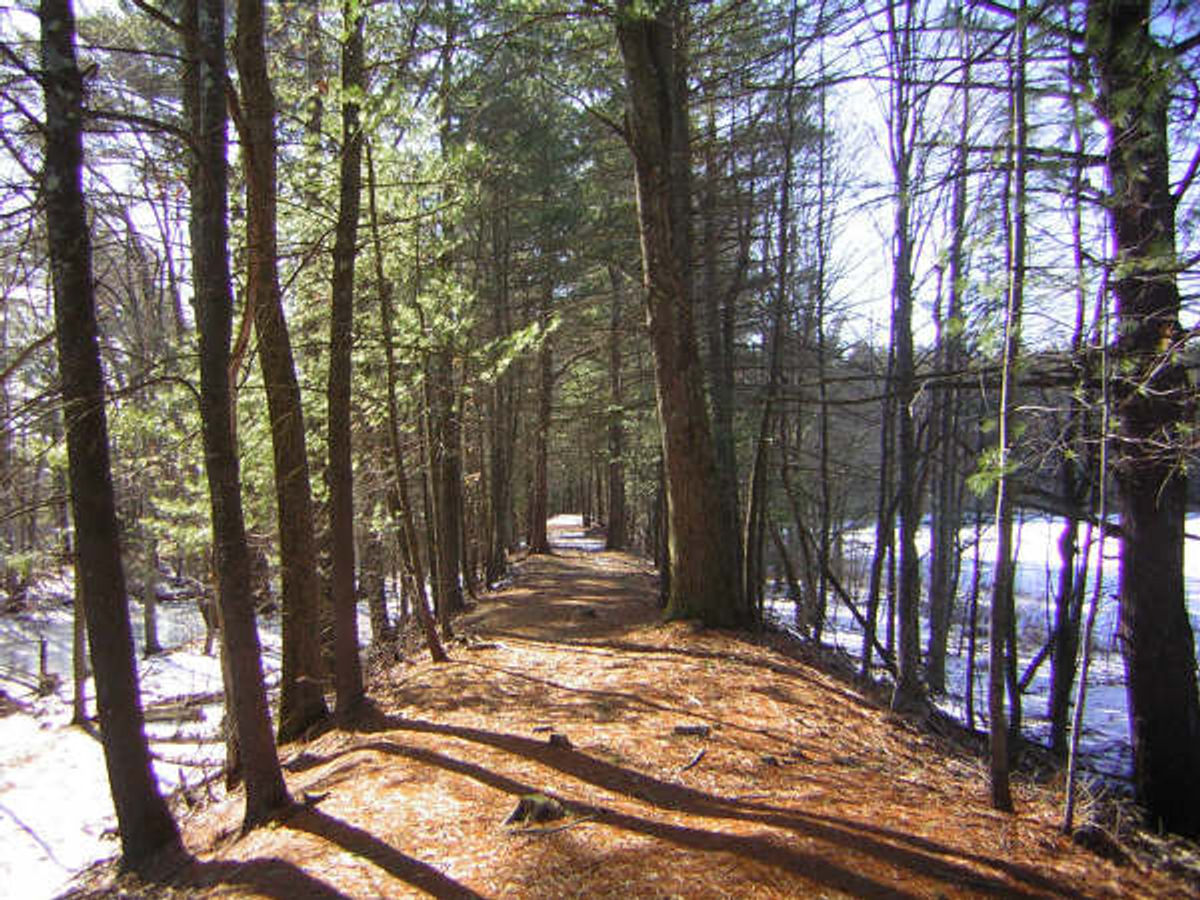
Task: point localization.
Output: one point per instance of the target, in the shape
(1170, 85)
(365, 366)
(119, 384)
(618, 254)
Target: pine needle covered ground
(687, 763)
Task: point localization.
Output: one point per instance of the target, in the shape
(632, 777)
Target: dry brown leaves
(802, 786)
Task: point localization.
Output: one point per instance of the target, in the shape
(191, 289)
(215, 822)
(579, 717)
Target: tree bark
(204, 34)
(1074, 475)
(1155, 403)
(348, 678)
(145, 823)
(1001, 639)
(539, 499)
(718, 309)
(909, 689)
(618, 527)
(502, 421)
(150, 642)
(702, 556)
(301, 696)
(945, 499)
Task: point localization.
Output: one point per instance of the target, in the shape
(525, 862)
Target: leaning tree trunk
(1155, 406)
(702, 555)
(143, 819)
(348, 678)
(204, 32)
(301, 694)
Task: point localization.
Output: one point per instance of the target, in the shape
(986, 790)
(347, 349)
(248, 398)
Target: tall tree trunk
(756, 512)
(909, 690)
(446, 483)
(1155, 404)
(718, 310)
(1073, 476)
(1000, 637)
(946, 493)
(703, 575)
(301, 695)
(442, 394)
(618, 532)
(145, 824)
(824, 232)
(502, 421)
(539, 511)
(348, 678)
(204, 33)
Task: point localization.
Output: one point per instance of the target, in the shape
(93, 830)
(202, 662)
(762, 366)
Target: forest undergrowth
(667, 760)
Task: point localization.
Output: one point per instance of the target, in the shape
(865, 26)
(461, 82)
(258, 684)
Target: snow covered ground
(55, 809)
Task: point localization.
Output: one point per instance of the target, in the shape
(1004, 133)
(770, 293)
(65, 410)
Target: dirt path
(690, 764)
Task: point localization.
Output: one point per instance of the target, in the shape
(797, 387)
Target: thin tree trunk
(618, 531)
(502, 421)
(348, 678)
(150, 642)
(539, 499)
(946, 506)
(372, 580)
(1000, 637)
(144, 822)
(973, 625)
(909, 690)
(884, 512)
(409, 542)
(752, 542)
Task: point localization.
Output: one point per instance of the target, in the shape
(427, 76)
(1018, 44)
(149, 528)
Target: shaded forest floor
(690, 763)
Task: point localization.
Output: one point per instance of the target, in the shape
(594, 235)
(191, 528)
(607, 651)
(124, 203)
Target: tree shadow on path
(921, 856)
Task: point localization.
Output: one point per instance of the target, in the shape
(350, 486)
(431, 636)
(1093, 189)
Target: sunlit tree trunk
(204, 32)
(702, 559)
(301, 694)
(144, 822)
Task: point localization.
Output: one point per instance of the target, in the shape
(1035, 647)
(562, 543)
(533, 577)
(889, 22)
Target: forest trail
(690, 763)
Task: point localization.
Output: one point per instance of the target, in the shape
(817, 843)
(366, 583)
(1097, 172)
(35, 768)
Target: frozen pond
(1105, 738)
